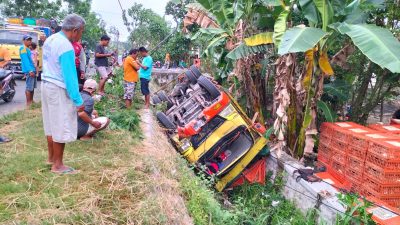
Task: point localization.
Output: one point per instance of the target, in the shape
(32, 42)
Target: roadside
(19, 101)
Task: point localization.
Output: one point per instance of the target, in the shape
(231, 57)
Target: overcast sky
(111, 12)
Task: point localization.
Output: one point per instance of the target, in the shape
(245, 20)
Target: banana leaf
(299, 39)
(243, 51)
(377, 43)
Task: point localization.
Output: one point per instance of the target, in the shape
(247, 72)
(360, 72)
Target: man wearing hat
(28, 68)
(88, 121)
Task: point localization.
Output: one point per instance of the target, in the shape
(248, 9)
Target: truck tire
(191, 77)
(163, 97)
(209, 87)
(165, 121)
(156, 100)
(195, 71)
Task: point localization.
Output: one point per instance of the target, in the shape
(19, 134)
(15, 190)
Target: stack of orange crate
(337, 143)
(382, 171)
(363, 159)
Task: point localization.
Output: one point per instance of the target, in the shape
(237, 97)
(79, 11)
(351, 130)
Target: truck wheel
(195, 71)
(156, 100)
(191, 77)
(209, 87)
(163, 97)
(165, 121)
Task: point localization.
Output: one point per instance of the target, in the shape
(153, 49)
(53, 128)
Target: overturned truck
(208, 127)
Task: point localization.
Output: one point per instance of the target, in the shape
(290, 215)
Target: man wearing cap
(101, 62)
(28, 68)
(88, 121)
(61, 99)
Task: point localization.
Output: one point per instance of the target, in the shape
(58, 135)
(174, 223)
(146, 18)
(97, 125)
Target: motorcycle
(7, 82)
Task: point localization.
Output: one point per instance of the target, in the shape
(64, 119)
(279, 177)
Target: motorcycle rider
(5, 59)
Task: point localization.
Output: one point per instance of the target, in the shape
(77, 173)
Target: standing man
(61, 99)
(145, 74)
(28, 68)
(79, 62)
(101, 62)
(131, 77)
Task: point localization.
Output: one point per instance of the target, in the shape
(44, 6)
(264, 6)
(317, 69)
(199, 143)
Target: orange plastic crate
(392, 200)
(339, 155)
(392, 129)
(355, 184)
(337, 170)
(355, 151)
(370, 183)
(339, 146)
(324, 154)
(389, 149)
(382, 175)
(324, 139)
(383, 162)
(355, 162)
(383, 214)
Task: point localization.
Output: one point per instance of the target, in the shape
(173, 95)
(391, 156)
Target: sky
(111, 12)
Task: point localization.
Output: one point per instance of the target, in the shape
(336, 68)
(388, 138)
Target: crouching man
(88, 121)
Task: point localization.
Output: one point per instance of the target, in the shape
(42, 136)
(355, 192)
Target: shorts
(104, 122)
(31, 82)
(60, 119)
(129, 90)
(144, 86)
(104, 71)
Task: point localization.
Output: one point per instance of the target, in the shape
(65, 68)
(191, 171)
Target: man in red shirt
(80, 62)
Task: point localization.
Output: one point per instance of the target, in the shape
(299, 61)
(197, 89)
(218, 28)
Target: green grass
(122, 179)
(31, 194)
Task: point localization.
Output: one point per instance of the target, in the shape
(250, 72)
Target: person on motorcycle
(5, 59)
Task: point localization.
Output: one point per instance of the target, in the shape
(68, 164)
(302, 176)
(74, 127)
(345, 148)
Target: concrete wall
(303, 193)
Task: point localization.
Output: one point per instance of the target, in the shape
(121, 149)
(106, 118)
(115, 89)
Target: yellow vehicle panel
(231, 175)
(228, 126)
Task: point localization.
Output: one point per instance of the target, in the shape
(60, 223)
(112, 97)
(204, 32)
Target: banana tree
(326, 20)
(233, 22)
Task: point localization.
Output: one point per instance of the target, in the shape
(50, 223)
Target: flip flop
(70, 170)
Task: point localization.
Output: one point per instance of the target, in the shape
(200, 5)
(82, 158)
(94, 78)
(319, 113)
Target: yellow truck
(11, 39)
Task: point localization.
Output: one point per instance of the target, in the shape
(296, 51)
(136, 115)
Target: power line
(120, 5)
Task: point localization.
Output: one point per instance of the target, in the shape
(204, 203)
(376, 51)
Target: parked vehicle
(11, 35)
(208, 127)
(8, 84)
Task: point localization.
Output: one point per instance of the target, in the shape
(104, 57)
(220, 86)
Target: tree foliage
(48, 9)
(36, 9)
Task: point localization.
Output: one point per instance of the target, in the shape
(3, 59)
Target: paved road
(19, 101)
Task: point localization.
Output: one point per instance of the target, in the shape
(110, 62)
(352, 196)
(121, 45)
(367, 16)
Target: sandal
(70, 170)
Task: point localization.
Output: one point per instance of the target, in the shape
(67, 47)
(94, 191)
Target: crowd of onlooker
(67, 97)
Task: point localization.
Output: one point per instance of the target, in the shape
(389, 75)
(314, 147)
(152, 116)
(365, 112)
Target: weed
(356, 211)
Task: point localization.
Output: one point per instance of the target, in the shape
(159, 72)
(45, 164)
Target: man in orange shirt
(5, 58)
(131, 67)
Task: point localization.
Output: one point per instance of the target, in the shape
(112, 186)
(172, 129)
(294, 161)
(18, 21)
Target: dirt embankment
(157, 151)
